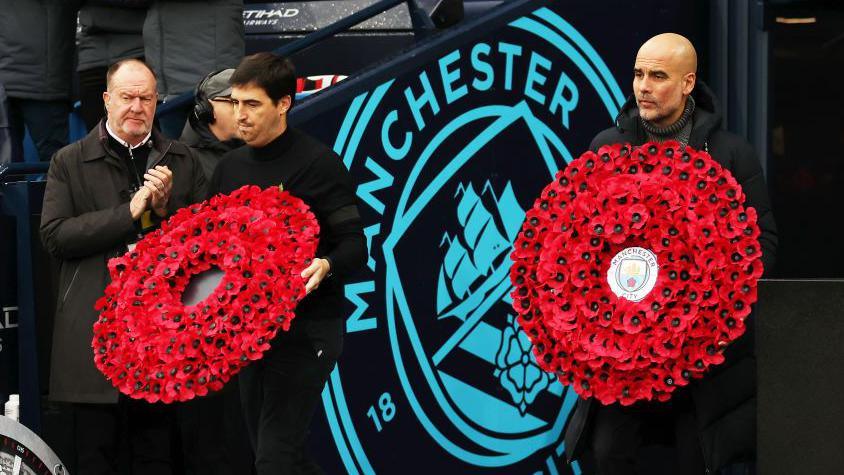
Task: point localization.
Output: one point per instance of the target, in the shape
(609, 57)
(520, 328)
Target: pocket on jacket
(69, 287)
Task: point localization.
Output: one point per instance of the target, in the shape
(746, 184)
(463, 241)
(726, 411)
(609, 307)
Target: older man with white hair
(103, 192)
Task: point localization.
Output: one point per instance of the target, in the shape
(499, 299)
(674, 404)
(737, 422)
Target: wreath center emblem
(633, 273)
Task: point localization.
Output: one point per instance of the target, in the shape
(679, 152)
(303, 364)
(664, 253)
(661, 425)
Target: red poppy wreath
(151, 346)
(634, 269)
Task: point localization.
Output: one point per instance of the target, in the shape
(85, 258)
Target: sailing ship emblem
(471, 274)
(473, 254)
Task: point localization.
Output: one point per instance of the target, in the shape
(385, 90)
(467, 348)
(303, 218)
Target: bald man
(102, 193)
(711, 422)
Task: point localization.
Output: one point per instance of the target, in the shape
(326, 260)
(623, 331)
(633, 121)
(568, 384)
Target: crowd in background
(49, 46)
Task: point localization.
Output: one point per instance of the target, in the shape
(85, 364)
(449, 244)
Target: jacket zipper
(138, 183)
(70, 285)
(163, 154)
(153, 165)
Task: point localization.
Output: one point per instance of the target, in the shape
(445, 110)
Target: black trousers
(47, 123)
(92, 85)
(619, 433)
(280, 393)
(214, 439)
(106, 435)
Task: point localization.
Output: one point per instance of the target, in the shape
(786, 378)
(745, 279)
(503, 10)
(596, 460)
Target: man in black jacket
(102, 191)
(280, 392)
(214, 437)
(712, 421)
(211, 129)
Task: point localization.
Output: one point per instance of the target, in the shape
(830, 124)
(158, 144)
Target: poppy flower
(153, 347)
(697, 270)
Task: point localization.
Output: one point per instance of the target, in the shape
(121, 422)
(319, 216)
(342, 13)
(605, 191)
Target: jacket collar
(125, 143)
(195, 134)
(705, 121)
(198, 135)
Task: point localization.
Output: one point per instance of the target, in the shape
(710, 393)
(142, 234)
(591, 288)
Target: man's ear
(689, 81)
(284, 104)
(106, 99)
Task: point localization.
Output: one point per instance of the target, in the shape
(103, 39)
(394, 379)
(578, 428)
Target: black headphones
(202, 110)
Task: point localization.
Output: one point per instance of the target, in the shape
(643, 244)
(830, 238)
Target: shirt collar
(125, 143)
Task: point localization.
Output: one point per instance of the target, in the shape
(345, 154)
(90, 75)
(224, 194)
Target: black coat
(725, 399)
(186, 39)
(5, 129)
(110, 30)
(205, 146)
(37, 48)
(85, 221)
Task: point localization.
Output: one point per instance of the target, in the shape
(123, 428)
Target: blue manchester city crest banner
(449, 148)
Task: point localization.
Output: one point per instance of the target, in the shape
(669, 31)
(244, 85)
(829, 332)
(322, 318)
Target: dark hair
(116, 66)
(274, 74)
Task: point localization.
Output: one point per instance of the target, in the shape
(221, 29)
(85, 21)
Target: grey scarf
(679, 131)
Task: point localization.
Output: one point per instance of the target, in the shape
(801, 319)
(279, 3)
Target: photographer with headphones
(211, 128)
(212, 430)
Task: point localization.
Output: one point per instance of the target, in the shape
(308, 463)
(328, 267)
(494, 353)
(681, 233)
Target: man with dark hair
(102, 193)
(711, 422)
(280, 392)
(211, 129)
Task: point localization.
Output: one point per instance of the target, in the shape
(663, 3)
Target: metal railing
(9, 170)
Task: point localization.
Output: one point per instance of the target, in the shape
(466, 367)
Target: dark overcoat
(85, 221)
(724, 399)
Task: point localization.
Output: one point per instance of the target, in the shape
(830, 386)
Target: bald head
(663, 77)
(130, 100)
(672, 48)
(131, 67)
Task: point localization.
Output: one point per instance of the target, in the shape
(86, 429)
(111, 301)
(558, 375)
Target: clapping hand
(159, 182)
